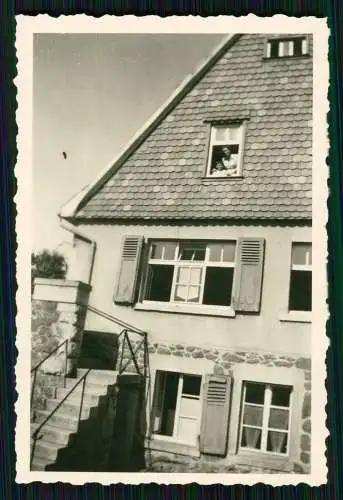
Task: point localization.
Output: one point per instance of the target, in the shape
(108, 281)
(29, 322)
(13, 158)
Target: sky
(91, 93)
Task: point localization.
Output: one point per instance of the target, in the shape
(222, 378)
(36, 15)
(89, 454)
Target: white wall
(264, 331)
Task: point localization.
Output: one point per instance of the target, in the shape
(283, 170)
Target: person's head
(226, 151)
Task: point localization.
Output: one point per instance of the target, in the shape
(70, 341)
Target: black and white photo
(178, 243)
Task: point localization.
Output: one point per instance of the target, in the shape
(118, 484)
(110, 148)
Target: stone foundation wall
(52, 323)
(305, 438)
(224, 362)
(45, 387)
(158, 461)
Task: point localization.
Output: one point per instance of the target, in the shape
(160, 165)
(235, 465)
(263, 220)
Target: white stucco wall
(261, 332)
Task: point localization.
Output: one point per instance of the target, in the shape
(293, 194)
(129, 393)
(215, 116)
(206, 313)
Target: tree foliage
(46, 264)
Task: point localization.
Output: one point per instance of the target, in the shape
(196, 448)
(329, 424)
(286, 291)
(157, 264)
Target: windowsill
(255, 459)
(201, 310)
(228, 178)
(277, 58)
(296, 316)
(159, 443)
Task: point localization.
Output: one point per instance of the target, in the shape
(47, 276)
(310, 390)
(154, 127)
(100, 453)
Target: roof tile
(163, 177)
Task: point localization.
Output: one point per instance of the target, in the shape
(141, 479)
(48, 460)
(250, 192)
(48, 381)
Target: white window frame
(299, 267)
(267, 406)
(199, 398)
(240, 127)
(273, 375)
(178, 263)
(282, 45)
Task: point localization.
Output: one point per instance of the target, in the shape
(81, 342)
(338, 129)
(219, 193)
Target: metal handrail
(123, 324)
(48, 355)
(133, 351)
(127, 328)
(106, 315)
(34, 434)
(35, 368)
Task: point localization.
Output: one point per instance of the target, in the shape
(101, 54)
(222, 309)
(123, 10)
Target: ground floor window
(265, 419)
(177, 406)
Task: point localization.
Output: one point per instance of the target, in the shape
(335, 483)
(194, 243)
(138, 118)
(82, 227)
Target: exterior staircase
(78, 435)
(97, 421)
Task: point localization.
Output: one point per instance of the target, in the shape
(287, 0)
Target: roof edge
(191, 221)
(70, 209)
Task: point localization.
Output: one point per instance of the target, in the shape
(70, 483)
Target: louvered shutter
(215, 415)
(248, 275)
(129, 268)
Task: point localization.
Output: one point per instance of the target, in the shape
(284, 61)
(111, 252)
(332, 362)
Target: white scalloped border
(26, 27)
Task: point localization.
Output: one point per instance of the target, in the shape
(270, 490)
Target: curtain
(251, 437)
(277, 441)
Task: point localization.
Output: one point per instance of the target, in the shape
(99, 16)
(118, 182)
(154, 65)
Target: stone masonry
(53, 322)
(224, 361)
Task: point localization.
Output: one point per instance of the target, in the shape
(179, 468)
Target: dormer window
(286, 47)
(225, 151)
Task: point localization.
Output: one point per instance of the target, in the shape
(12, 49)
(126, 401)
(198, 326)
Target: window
(286, 47)
(265, 419)
(177, 406)
(191, 272)
(178, 276)
(225, 151)
(300, 292)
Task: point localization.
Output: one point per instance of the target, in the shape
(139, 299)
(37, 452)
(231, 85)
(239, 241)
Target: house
(199, 233)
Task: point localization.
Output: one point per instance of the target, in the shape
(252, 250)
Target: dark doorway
(99, 351)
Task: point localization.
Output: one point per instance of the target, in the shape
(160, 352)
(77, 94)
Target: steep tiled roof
(163, 177)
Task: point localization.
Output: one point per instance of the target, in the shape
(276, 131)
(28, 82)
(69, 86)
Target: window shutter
(215, 415)
(129, 268)
(249, 273)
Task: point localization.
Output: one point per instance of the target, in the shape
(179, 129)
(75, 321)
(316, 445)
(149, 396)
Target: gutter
(82, 236)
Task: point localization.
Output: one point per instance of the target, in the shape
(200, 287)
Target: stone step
(51, 434)
(88, 399)
(69, 408)
(57, 420)
(39, 463)
(90, 388)
(46, 451)
(102, 377)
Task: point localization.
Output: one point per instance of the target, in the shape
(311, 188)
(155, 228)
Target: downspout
(76, 232)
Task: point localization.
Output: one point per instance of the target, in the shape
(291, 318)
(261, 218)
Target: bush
(46, 264)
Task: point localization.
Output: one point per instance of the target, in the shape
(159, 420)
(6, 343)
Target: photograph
(178, 246)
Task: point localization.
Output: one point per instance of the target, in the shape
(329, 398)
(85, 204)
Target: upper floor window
(182, 275)
(286, 47)
(300, 292)
(191, 272)
(225, 151)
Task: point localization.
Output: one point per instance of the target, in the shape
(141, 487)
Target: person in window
(225, 165)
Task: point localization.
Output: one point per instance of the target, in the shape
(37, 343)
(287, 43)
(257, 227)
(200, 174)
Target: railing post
(41, 425)
(81, 402)
(33, 450)
(133, 355)
(122, 352)
(66, 363)
(145, 356)
(33, 386)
